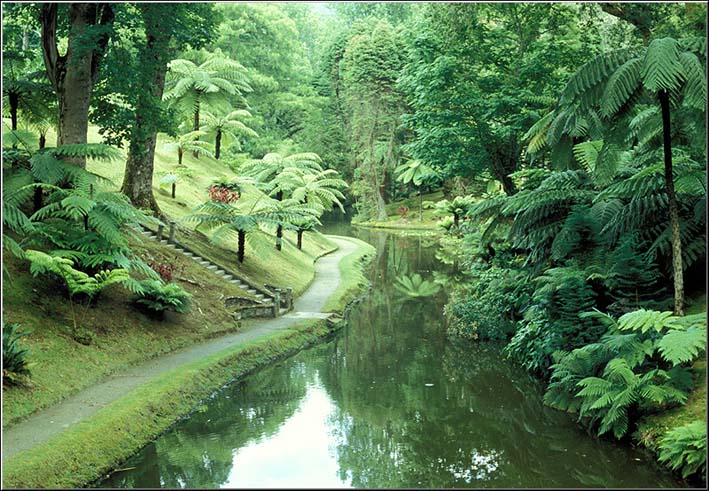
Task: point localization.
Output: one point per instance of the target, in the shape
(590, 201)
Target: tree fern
(684, 448)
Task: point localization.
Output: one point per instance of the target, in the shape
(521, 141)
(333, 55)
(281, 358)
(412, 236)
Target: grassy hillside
(122, 335)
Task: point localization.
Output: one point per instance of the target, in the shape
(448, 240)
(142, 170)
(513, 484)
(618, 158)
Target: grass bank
(410, 221)
(122, 335)
(353, 278)
(90, 449)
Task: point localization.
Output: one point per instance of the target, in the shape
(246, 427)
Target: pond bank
(167, 388)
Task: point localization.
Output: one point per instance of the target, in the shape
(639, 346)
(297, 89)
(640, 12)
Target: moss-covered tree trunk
(138, 175)
(72, 75)
(677, 270)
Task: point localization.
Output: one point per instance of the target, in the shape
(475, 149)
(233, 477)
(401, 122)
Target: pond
(388, 402)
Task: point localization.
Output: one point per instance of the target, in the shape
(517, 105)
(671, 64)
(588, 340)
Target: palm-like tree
(226, 128)
(265, 171)
(212, 82)
(457, 206)
(312, 187)
(668, 72)
(229, 221)
(188, 142)
(416, 172)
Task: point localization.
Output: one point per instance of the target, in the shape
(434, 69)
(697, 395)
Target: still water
(388, 402)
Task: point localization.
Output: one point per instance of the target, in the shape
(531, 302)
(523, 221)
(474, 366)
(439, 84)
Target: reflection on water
(387, 403)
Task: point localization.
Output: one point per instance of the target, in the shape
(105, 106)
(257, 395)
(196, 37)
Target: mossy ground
(122, 334)
(353, 278)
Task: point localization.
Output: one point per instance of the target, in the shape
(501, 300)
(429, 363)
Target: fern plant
(415, 286)
(456, 207)
(158, 297)
(668, 71)
(15, 363)
(611, 381)
(684, 449)
(77, 282)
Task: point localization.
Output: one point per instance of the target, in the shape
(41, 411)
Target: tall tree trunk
(300, 238)
(138, 176)
(14, 100)
(173, 190)
(73, 75)
(677, 270)
(240, 250)
(42, 140)
(180, 152)
(195, 154)
(217, 144)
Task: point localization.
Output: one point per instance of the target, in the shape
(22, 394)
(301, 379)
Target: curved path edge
(51, 421)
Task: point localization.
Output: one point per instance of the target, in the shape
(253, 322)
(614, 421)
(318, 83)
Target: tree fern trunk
(42, 140)
(677, 271)
(196, 127)
(420, 205)
(180, 152)
(240, 250)
(300, 239)
(217, 144)
(38, 198)
(14, 100)
(456, 219)
(279, 229)
(173, 190)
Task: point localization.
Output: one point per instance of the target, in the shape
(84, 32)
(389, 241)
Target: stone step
(212, 267)
(188, 253)
(252, 291)
(260, 296)
(164, 241)
(204, 263)
(220, 272)
(228, 277)
(283, 310)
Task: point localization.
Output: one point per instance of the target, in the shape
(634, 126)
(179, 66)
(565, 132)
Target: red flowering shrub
(165, 270)
(402, 210)
(223, 194)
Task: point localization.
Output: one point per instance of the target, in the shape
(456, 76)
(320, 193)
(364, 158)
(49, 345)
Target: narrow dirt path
(48, 422)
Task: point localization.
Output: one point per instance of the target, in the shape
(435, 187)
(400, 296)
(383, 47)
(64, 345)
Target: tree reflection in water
(390, 402)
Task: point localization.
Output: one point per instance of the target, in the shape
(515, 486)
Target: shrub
(14, 357)
(611, 381)
(165, 270)
(224, 191)
(684, 448)
(158, 297)
(402, 210)
(553, 323)
(492, 309)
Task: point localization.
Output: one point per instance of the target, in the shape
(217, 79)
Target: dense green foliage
(685, 448)
(158, 297)
(15, 363)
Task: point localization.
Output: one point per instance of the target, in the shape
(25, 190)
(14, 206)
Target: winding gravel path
(55, 419)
